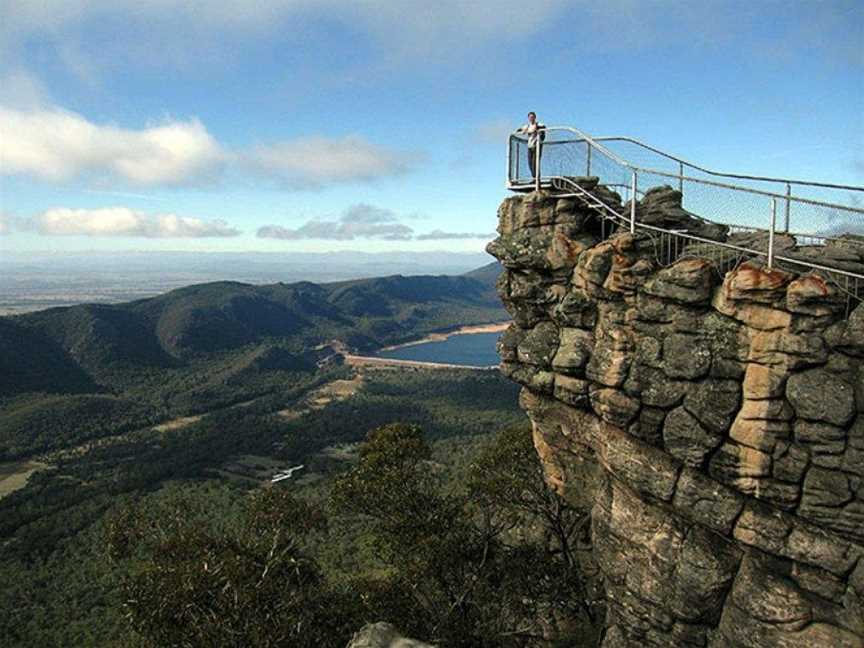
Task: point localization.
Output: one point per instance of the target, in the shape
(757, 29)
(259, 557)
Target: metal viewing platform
(798, 225)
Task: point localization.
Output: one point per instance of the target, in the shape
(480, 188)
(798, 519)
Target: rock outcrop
(724, 407)
(383, 635)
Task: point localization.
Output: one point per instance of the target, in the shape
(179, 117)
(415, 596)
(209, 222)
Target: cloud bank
(361, 221)
(438, 235)
(56, 145)
(313, 162)
(175, 32)
(122, 221)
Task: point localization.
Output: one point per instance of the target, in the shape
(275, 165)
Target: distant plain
(35, 281)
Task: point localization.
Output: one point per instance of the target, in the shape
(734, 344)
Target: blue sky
(288, 125)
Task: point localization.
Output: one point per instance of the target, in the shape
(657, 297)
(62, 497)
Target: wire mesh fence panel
(559, 156)
(738, 209)
(826, 219)
(842, 212)
(641, 155)
(518, 171)
(611, 174)
(562, 155)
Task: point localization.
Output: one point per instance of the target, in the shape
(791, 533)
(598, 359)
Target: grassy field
(14, 475)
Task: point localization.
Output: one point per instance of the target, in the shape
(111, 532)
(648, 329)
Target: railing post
(771, 233)
(788, 206)
(510, 168)
(681, 177)
(633, 204)
(537, 165)
(588, 164)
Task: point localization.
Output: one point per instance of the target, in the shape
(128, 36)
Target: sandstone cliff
(724, 406)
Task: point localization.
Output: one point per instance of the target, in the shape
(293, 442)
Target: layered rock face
(725, 410)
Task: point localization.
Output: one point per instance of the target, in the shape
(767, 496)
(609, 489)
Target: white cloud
(190, 33)
(358, 221)
(56, 145)
(362, 221)
(447, 29)
(474, 17)
(179, 27)
(4, 223)
(313, 162)
(439, 235)
(368, 214)
(122, 221)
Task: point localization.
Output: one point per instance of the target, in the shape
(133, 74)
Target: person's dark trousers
(532, 160)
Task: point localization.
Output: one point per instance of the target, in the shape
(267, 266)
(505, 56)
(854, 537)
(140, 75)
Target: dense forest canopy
(154, 428)
(52, 531)
(477, 555)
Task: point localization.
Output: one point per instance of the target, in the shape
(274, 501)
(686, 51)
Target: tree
(490, 563)
(251, 584)
(483, 557)
(511, 500)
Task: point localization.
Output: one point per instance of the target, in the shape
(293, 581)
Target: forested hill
(75, 349)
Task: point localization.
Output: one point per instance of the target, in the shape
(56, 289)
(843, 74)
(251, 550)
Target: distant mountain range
(31, 281)
(89, 347)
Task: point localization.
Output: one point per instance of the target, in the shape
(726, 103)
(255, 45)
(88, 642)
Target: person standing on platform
(536, 134)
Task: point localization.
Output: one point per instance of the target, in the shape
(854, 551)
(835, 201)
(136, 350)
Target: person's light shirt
(533, 132)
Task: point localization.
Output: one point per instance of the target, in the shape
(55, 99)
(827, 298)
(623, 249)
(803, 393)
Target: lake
(472, 349)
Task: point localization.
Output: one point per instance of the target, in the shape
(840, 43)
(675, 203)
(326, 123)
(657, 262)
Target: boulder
(689, 281)
(383, 635)
(811, 294)
(574, 350)
(685, 356)
(661, 206)
(539, 346)
(611, 359)
(753, 282)
(686, 440)
(818, 395)
(614, 406)
(714, 403)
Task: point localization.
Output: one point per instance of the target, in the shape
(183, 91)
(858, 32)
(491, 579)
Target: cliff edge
(723, 404)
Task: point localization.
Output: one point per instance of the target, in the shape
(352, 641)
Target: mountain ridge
(93, 342)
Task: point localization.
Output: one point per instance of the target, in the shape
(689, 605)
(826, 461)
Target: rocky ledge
(724, 408)
(383, 635)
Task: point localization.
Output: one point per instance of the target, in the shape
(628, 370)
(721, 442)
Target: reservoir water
(472, 349)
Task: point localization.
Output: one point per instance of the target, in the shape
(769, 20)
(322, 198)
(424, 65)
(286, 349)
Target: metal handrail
(570, 187)
(738, 176)
(622, 220)
(593, 142)
(760, 192)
